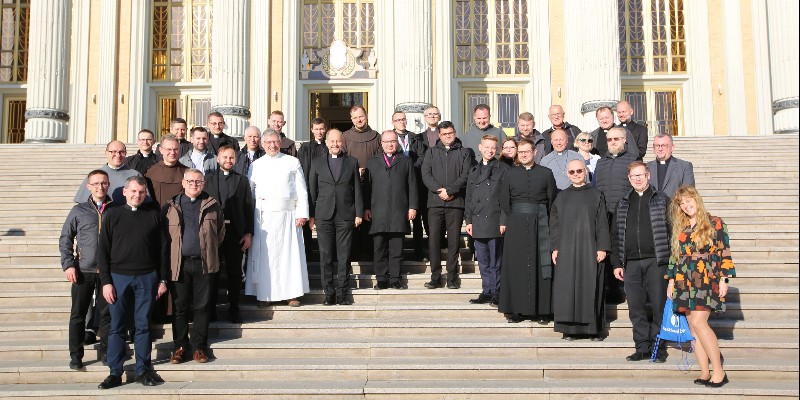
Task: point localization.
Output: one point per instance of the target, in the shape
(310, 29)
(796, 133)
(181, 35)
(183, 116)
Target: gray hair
(169, 138)
(270, 132)
(664, 135)
(620, 129)
(192, 171)
(253, 128)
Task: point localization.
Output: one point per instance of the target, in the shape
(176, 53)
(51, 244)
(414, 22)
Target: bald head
(559, 140)
(333, 141)
(624, 111)
(556, 115)
(115, 153)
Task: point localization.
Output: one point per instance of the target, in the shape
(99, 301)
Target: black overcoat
(391, 192)
(482, 208)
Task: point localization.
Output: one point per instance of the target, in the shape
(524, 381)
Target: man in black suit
(232, 192)
(218, 138)
(335, 208)
(667, 172)
(639, 132)
(392, 203)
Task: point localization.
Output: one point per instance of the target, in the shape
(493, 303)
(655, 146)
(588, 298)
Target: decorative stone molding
(592, 106)
(784, 104)
(788, 131)
(412, 107)
(337, 62)
(47, 113)
(237, 111)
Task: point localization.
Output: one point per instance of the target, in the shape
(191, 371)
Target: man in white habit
(276, 265)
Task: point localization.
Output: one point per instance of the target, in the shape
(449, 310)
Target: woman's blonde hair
(581, 135)
(703, 232)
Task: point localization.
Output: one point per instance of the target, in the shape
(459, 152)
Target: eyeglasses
(196, 182)
(661, 146)
(556, 114)
(524, 151)
(586, 140)
(576, 171)
(388, 141)
(216, 123)
(638, 176)
(103, 184)
(146, 140)
(399, 120)
(432, 114)
(613, 139)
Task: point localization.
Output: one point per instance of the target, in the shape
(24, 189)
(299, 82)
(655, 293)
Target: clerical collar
(447, 147)
(226, 173)
(144, 154)
(192, 199)
(132, 208)
(390, 155)
(115, 168)
(216, 136)
(318, 141)
(666, 161)
(485, 162)
(559, 153)
(641, 193)
(334, 156)
(433, 129)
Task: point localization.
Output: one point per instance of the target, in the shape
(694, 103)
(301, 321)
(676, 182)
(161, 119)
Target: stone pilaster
(783, 60)
(230, 68)
(592, 59)
(260, 91)
(48, 72)
(413, 56)
(107, 82)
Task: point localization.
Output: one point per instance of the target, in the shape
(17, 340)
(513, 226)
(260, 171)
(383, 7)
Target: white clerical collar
(226, 173)
(641, 193)
(433, 129)
(192, 199)
(485, 162)
(215, 136)
(145, 154)
(560, 153)
(447, 147)
(318, 141)
(114, 168)
(334, 156)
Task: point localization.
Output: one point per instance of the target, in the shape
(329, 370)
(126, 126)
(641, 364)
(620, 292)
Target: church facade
(83, 71)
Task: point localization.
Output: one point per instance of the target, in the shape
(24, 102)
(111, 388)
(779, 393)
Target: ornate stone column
(592, 59)
(783, 61)
(413, 59)
(107, 83)
(230, 68)
(48, 72)
(259, 63)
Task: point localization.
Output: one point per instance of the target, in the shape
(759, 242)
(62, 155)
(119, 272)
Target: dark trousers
(644, 280)
(388, 256)
(441, 219)
(191, 292)
(490, 259)
(82, 292)
(335, 237)
(230, 253)
(135, 294)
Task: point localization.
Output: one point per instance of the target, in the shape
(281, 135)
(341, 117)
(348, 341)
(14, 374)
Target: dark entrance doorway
(335, 107)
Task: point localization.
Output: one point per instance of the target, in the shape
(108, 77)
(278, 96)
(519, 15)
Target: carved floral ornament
(337, 62)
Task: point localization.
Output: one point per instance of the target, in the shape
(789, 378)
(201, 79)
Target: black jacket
(390, 193)
(416, 148)
(572, 132)
(612, 177)
(639, 133)
(309, 151)
(449, 169)
(330, 197)
(141, 163)
(243, 163)
(482, 206)
(601, 144)
(82, 223)
(659, 221)
(238, 209)
(223, 140)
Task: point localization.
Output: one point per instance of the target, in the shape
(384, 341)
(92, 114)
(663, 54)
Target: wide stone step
(402, 369)
(483, 347)
(525, 388)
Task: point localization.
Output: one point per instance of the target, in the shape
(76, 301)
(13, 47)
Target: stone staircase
(416, 343)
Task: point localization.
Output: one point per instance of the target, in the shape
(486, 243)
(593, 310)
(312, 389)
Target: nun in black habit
(580, 238)
(526, 194)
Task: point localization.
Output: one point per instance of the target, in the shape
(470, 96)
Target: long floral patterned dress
(698, 271)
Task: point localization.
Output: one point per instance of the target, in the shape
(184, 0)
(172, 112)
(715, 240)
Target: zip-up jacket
(83, 223)
(212, 232)
(449, 169)
(658, 208)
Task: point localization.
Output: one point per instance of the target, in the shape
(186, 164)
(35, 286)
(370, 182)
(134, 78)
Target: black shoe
(89, 338)
(330, 300)
(700, 381)
(637, 356)
(495, 302)
(111, 381)
(399, 285)
(76, 365)
(482, 299)
(149, 378)
(596, 338)
(381, 285)
(719, 384)
(344, 301)
(514, 319)
(234, 317)
(568, 338)
(453, 285)
(543, 320)
(433, 285)
(661, 357)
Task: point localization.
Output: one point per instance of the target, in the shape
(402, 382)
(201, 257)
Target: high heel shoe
(718, 384)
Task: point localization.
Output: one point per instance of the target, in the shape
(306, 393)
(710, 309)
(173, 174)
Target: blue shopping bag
(674, 328)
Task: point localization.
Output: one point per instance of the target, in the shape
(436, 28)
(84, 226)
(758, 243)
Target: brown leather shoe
(177, 356)
(200, 356)
(294, 303)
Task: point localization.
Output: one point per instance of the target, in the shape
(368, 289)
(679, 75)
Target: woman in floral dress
(698, 276)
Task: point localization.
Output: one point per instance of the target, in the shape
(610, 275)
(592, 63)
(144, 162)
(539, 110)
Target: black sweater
(129, 242)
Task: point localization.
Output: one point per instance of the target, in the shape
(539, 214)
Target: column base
(46, 130)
